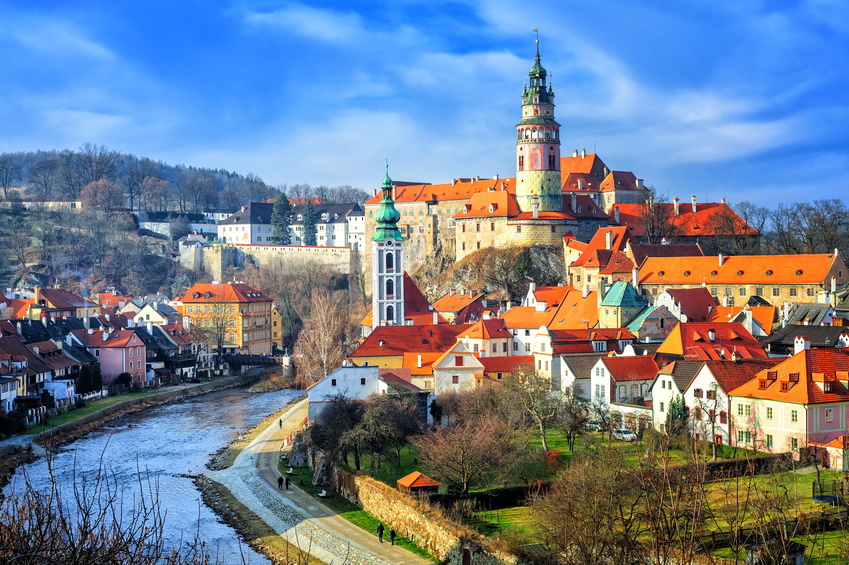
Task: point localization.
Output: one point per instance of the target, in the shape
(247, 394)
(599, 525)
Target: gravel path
(302, 520)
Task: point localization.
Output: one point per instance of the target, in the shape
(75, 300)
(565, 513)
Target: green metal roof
(623, 294)
(637, 322)
(387, 216)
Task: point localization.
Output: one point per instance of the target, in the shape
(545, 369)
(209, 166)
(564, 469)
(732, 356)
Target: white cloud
(58, 39)
(325, 25)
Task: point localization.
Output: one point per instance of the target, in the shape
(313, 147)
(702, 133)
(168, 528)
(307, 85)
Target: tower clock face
(389, 243)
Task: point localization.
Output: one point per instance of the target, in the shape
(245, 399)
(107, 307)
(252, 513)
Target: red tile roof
(688, 223)
(505, 364)
(798, 379)
(732, 374)
(641, 251)
(765, 315)
(599, 242)
(486, 329)
(454, 302)
(118, 338)
(631, 368)
(398, 340)
(580, 340)
(695, 303)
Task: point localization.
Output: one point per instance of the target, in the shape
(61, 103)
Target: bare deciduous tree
(318, 350)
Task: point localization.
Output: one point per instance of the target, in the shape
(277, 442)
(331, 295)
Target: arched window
(390, 261)
(521, 161)
(390, 288)
(390, 313)
(551, 161)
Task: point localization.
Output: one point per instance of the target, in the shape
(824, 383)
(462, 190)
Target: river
(169, 444)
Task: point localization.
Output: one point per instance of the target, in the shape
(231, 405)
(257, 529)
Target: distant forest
(139, 183)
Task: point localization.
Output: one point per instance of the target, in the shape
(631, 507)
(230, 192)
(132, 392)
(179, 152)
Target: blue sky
(743, 99)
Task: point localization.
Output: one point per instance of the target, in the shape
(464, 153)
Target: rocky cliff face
(499, 273)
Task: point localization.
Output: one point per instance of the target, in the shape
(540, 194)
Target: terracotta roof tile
(737, 269)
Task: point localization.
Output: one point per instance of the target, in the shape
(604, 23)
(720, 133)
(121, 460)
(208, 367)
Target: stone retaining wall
(72, 430)
(416, 519)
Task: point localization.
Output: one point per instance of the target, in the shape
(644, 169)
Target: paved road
(299, 518)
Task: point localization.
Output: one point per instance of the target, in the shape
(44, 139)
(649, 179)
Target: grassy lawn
(389, 470)
(827, 548)
(302, 476)
(89, 408)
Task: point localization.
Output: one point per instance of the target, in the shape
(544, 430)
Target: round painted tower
(538, 146)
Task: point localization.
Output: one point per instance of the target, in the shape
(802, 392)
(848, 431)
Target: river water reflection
(169, 442)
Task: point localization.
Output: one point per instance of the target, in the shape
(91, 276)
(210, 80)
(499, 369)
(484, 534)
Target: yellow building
(233, 315)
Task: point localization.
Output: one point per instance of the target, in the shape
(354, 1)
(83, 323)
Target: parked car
(593, 427)
(624, 435)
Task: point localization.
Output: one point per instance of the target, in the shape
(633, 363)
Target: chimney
(575, 153)
(800, 344)
(90, 331)
(131, 322)
(451, 292)
(541, 306)
(536, 206)
(721, 259)
(586, 291)
(453, 182)
(187, 323)
(150, 328)
(711, 334)
(435, 318)
(606, 172)
(608, 240)
(486, 316)
(639, 184)
(494, 177)
(111, 329)
(635, 278)
(575, 199)
(722, 200)
(693, 201)
(374, 192)
(419, 362)
(105, 335)
(675, 202)
(394, 192)
(616, 214)
(583, 153)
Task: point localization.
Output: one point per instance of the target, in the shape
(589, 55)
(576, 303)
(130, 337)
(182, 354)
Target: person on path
(380, 532)
(392, 536)
(280, 422)
(280, 483)
(287, 482)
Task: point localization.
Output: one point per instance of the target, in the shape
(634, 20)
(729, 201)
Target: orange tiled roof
(454, 302)
(798, 379)
(689, 223)
(731, 374)
(489, 205)
(411, 362)
(527, 317)
(588, 166)
(460, 189)
(692, 340)
(599, 242)
(575, 311)
(765, 315)
(229, 292)
(486, 329)
(737, 269)
(20, 306)
(417, 480)
(619, 180)
(552, 295)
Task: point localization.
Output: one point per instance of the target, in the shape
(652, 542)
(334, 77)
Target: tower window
(390, 261)
(521, 161)
(390, 288)
(390, 313)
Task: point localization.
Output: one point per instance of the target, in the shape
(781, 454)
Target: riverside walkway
(299, 518)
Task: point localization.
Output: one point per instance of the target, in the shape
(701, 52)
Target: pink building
(802, 400)
(118, 351)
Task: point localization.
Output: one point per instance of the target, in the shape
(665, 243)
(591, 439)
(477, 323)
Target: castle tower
(538, 146)
(387, 253)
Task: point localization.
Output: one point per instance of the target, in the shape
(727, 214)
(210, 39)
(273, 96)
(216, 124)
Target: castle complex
(535, 208)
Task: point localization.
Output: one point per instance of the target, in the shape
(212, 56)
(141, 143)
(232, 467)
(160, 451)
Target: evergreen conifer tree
(309, 224)
(96, 378)
(676, 418)
(281, 219)
(84, 380)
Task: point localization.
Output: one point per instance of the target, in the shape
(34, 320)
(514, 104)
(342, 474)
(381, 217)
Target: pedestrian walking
(287, 482)
(380, 532)
(280, 422)
(279, 483)
(392, 536)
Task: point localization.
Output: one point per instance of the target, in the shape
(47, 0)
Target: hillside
(503, 273)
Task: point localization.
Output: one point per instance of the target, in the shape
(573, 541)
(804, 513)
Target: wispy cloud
(58, 38)
(306, 21)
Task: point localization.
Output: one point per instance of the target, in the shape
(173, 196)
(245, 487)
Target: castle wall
(215, 259)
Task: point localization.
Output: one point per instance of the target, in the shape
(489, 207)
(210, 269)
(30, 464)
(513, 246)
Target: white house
(355, 383)
(456, 370)
(8, 393)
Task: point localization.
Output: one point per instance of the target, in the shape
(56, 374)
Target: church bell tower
(387, 262)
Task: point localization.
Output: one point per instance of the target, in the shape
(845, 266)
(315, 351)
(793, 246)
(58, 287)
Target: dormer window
(740, 273)
(300, 217)
(769, 272)
(798, 272)
(713, 273)
(826, 387)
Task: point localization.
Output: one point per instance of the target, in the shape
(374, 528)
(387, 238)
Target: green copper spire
(387, 216)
